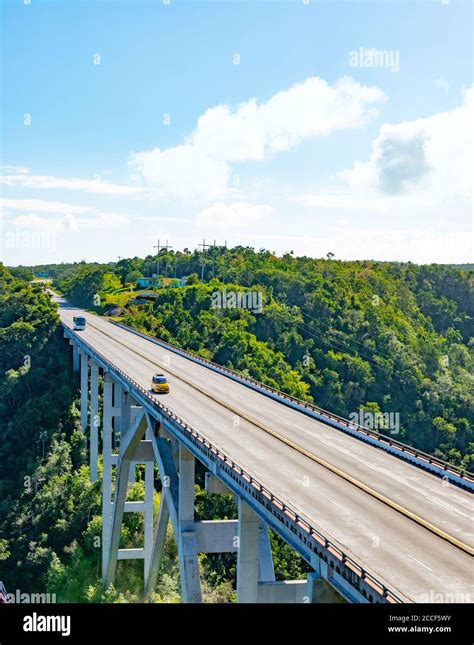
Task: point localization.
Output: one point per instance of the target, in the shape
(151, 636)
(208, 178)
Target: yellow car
(159, 384)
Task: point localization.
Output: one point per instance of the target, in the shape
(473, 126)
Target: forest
(349, 336)
(376, 336)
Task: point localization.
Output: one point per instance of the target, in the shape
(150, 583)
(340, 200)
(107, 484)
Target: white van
(79, 323)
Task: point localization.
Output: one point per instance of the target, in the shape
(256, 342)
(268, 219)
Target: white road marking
(418, 562)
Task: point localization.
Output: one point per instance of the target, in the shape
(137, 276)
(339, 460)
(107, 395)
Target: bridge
(376, 520)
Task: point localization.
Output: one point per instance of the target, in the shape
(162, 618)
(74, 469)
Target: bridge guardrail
(378, 436)
(267, 497)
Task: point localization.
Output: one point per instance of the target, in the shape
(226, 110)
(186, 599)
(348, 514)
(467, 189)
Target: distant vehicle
(79, 323)
(159, 384)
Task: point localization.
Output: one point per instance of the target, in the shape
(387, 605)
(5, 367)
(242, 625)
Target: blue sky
(315, 127)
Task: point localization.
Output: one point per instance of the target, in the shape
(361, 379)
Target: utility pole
(166, 248)
(224, 268)
(159, 248)
(204, 247)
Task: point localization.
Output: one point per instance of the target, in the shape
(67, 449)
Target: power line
(204, 247)
(328, 328)
(339, 345)
(160, 248)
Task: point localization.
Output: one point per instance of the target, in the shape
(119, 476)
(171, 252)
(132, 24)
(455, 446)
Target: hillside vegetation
(382, 337)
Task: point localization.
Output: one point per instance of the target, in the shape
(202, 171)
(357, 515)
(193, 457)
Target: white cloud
(183, 171)
(416, 183)
(70, 223)
(33, 222)
(97, 186)
(14, 169)
(43, 215)
(87, 217)
(376, 243)
(41, 205)
(199, 169)
(235, 215)
(306, 110)
(157, 219)
(431, 156)
(106, 222)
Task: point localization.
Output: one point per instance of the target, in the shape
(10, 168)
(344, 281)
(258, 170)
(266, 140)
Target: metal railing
(267, 498)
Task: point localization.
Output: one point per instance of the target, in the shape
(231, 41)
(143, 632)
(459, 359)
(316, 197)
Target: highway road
(416, 562)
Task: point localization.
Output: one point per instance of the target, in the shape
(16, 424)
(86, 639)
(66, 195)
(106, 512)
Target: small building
(173, 282)
(143, 283)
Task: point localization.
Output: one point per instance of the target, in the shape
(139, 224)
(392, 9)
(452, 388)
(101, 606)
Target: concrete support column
(159, 536)
(320, 587)
(247, 555)
(125, 414)
(169, 502)
(187, 547)
(107, 470)
(319, 590)
(266, 572)
(130, 443)
(75, 358)
(94, 422)
(117, 404)
(84, 389)
(186, 488)
(148, 519)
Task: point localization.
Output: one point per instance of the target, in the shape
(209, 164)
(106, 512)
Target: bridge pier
(168, 508)
(75, 358)
(132, 446)
(106, 469)
(187, 546)
(94, 422)
(135, 447)
(117, 394)
(247, 554)
(84, 389)
(177, 504)
(249, 528)
(326, 585)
